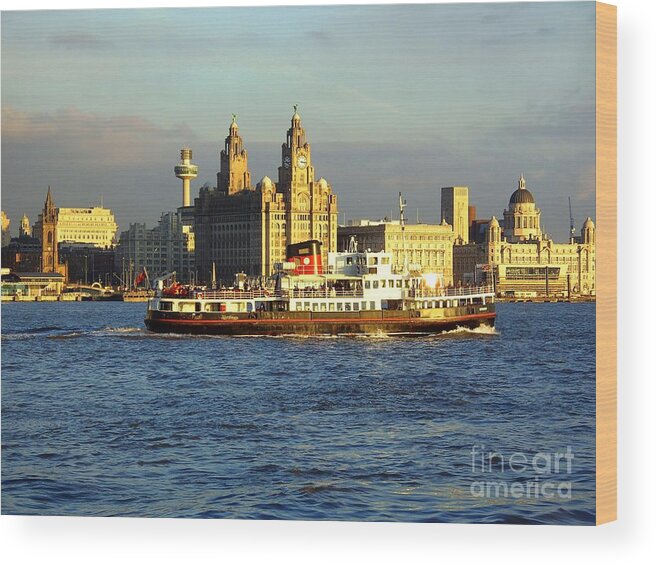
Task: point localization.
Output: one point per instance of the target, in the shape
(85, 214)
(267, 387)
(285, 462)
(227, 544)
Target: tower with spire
(48, 236)
(233, 175)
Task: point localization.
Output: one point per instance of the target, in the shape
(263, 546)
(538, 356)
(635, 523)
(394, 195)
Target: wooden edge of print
(606, 249)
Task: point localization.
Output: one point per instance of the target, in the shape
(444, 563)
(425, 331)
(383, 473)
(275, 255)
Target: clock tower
(296, 172)
(311, 207)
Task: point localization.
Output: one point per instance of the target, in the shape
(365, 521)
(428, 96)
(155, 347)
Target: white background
(107, 540)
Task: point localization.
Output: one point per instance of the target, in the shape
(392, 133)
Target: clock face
(302, 161)
(286, 162)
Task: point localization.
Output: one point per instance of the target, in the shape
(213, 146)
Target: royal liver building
(241, 228)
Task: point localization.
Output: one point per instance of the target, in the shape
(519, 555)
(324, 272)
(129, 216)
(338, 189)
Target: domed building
(521, 221)
(524, 261)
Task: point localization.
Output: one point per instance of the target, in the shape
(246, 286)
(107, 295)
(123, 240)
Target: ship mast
(402, 205)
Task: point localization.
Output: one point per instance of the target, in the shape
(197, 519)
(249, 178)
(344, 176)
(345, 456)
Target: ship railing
(322, 293)
(231, 294)
(450, 292)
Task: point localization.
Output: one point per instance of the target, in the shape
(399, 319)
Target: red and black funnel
(306, 256)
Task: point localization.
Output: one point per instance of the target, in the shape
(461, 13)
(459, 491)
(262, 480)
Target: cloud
(80, 40)
(127, 158)
(123, 138)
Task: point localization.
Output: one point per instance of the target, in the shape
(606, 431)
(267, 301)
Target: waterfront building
(6, 233)
(167, 247)
(429, 246)
(241, 228)
(23, 254)
(523, 259)
(455, 211)
(92, 226)
(27, 285)
(37, 252)
(88, 264)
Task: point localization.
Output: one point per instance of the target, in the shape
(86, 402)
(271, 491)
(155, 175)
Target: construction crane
(572, 231)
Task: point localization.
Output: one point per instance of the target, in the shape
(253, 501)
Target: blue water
(101, 418)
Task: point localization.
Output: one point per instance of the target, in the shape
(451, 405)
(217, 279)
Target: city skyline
(408, 98)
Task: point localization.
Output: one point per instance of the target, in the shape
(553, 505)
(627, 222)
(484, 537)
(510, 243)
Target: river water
(101, 418)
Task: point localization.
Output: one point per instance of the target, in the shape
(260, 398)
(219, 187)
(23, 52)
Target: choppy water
(101, 418)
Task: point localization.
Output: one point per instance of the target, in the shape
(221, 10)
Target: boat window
(213, 306)
(315, 307)
(323, 306)
(347, 306)
(367, 284)
(375, 284)
(399, 283)
(197, 307)
(390, 283)
(166, 305)
(307, 306)
(384, 260)
(340, 307)
(331, 306)
(372, 305)
(364, 305)
(356, 306)
(373, 260)
(382, 283)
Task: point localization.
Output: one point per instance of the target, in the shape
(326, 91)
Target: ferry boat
(355, 293)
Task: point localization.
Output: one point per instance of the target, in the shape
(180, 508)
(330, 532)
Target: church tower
(49, 252)
(233, 176)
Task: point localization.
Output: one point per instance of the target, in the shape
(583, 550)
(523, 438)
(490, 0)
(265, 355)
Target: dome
(588, 223)
(522, 196)
(265, 182)
(494, 223)
(323, 183)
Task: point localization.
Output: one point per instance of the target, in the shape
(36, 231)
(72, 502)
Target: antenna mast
(572, 231)
(402, 205)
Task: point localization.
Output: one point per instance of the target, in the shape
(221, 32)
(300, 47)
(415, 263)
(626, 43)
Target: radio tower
(402, 205)
(572, 230)
(186, 171)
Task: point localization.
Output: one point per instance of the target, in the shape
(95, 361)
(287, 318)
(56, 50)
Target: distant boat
(138, 295)
(108, 296)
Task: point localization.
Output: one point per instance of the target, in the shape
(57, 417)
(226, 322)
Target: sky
(98, 103)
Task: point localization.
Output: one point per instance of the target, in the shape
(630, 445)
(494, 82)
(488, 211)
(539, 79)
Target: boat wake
(131, 332)
(480, 330)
